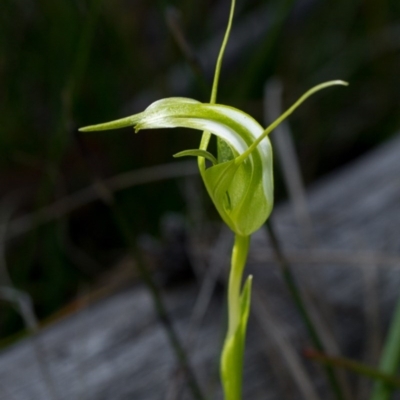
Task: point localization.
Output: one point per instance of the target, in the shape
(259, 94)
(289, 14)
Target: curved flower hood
(241, 188)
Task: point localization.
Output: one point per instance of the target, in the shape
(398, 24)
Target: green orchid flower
(236, 186)
(240, 184)
(240, 188)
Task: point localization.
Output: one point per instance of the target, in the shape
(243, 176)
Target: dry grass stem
(70, 203)
(275, 333)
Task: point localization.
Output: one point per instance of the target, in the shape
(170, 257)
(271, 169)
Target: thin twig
(6, 209)
(217, 262)
(354, 258)
(302, 309)
(155, 292)
(369, 275)
(271, 327)
(87, 264)
(390, 358)
(283, 144)
(24, 306)
(354, 366)
(70, 203)
(23, 302)
(106, 195)
(174, 24)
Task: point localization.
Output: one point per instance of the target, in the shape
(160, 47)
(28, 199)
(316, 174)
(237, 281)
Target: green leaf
(233, 351)
(197, 153)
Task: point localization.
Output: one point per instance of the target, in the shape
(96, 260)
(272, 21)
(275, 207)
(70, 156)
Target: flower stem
(205, 139)
(221, 55)
(238, 262)
(238, 312)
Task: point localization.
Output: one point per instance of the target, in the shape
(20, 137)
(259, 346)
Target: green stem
(221, 55)
(390, 358)
(238, 312)
(238, 262)
(354, 366)
(302, 309)
(205, 139)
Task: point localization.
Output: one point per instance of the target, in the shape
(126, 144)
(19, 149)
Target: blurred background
(71, 63)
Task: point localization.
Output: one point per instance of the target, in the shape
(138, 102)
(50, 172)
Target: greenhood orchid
(241, 188)
(236, 186)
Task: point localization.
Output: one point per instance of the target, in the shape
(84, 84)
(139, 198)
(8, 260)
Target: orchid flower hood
(240, 188)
